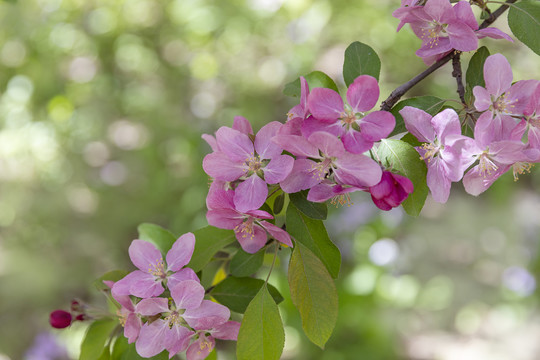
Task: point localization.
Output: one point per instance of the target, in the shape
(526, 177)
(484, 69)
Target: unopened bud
(60, 319)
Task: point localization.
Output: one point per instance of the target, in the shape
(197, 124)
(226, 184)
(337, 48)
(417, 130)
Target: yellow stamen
(521, 168)
(341, 200)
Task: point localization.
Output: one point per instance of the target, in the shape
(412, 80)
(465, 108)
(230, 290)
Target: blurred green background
(102, 105)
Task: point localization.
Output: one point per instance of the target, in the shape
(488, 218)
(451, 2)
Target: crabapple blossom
(357, 130)
(442, 148)
(153, 271)
(391, 191)
(256, 163)
(204, 339)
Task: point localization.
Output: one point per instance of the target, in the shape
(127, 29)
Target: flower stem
(273, 263)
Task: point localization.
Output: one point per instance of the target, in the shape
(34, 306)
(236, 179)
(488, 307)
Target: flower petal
(357, 170)
(363, 93)
(150, 341)
(176, 339)
(227, 331)
(329, 144)
(242, 124)
(181, 275)
(265, 147)
(462, 37)
(152, 306)
(253, 242)
(200, 348)
(278, 169)
(187, 294)
(377, 125)
(250, 194)
(207, 316)
(497, 74)
(132, 327)
(219, 166)
(296, 145)
(446, 123)
(235, 144)
(277, 233)
(301, 177)
(181, 251)
(418, 123)
(325, 104)
(224, 218)
(144, 255)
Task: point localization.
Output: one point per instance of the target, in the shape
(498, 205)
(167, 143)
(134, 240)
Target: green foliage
(430, 104)
(314, 294)
(360, 59)
(113, 275)
(261, 334)
(401, 156)
(124, 351)
(209, 240)
(475, 72)
(313, 210)
(314, 79)
(524, 21)
(155, 234)
(97, 335)
(245, 264)
(279, 201)
(237, 292)
(313, 235)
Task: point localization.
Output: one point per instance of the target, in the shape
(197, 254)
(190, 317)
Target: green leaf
(313, 235)
(312, 209)
(401, 156)
(209, 240)
(524, 21)
(261, 334)
(475, 71)
(155, 234)
(360, 59)
(114, 275)
(237, 292)
(314, 79)
(124, 351)
(245, 264)
(279, 201)
(430, 104)
(314, 294)
(96, 336)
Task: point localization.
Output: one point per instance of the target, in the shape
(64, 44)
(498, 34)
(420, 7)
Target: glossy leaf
(245, 264)
(430, 104)
(524, 21)
(279, 201)
(162, 238)
(475, 71)
(314, 210)
(313, 235)
(209, 240)
(360, 59)
(314, 294)
(261, 334)
(401, 156)
(314, 79)
(237, 292)
(96, 337)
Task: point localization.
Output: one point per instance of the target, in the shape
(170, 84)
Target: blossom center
(503, 105)
(158, 269)
(431, 150)
(246, 228)
(486, 165)
(433, 32)
(341, 200)
(253, 163)
(349, 117)
(320, 170)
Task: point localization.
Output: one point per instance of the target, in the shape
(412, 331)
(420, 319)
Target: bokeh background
(102, 105)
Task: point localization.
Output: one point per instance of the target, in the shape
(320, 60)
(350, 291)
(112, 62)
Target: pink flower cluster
(443, 27)
(328, 139)
(506, 134)
(181, 321)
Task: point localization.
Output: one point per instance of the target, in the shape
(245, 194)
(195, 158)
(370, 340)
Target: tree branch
(402, 89)
(458, 75)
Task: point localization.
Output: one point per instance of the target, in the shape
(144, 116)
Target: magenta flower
(404, 12)
(442, 148)
(495, 154)
(187, 313)
(336, 193)
(333, 161)
(357, 130)
(153, 271)
(500, 99)
(256, 164)
(249, 228)
(205, 339)
(391, 191)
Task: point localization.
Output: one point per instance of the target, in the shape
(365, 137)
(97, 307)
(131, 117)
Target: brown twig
(458, 75)
(402, 89)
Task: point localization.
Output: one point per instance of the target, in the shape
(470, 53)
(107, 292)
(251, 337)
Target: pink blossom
(358, 131)
(205, 339)
(333, 161)
(187, 313)
(391, 191)
(532, 116)
(249, 227)
(153, 271)
(442, 148)
(500, 100)
(255, 163)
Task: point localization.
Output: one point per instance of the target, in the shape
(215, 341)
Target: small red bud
(76, 306)
(81, 317)
(60, 319)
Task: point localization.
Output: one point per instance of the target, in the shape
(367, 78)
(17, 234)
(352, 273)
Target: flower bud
(60, 319)
(391, 191)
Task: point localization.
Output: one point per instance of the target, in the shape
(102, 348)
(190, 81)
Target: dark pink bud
(60, 319)
(81, 317)
(391, 191)
(75, 305)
